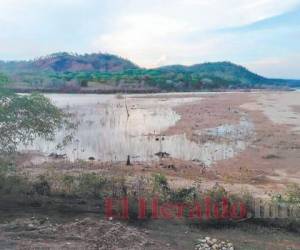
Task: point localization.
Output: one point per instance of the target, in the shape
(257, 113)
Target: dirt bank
(271, 160)
(60, 231)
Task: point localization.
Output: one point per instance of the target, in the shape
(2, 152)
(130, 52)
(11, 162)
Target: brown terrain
(265, 167)
(268, 164)
(272, 159)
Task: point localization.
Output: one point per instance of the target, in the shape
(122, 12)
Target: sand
(271, 160)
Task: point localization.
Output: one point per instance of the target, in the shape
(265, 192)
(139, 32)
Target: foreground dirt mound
(82, 234)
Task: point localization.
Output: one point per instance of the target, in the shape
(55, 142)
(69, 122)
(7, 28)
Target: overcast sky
(263, 35)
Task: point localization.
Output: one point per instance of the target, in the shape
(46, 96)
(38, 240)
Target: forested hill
(224, 71)
(63, 62)
(98, 71)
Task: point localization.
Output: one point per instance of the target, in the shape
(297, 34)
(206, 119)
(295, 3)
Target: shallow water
(106, 133)
(236, 132)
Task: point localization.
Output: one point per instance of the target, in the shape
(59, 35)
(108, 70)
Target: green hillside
(64, 70)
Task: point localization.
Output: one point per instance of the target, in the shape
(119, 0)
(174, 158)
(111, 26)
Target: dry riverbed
(265, 164)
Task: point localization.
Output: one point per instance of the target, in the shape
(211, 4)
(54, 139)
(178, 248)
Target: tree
(25, 117)
(3, 80)
(84, 83)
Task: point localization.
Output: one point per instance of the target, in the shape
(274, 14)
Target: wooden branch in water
(126, 108)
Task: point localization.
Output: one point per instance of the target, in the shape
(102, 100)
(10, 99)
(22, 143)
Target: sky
(263, 35)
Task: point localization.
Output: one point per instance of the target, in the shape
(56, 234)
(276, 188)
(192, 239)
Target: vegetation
(86, 192)
(90, 187)
(291, 195)
(25, 117)
(69, 71)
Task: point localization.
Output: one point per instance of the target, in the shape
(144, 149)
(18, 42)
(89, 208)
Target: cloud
(44, 27)
(283, 67)
(149, 32)
(180, 30)
(143, 38)
(288, 19)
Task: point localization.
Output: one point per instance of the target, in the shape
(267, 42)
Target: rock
(213, 244)
(31, 227)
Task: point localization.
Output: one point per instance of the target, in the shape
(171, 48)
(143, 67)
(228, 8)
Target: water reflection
(106, 133)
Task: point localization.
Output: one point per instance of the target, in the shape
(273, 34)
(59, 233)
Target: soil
(33, 230)
(271, 160)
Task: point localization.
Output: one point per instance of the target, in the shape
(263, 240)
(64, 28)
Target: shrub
(216, 193)
(291, 195)
(160, 186)
(90, 184)
(15, 185)
(68, 183)
(184, 195)
(42, 186)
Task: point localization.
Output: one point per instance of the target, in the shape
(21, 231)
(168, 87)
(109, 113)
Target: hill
(63, 62)
(226, 71)
(97, 71)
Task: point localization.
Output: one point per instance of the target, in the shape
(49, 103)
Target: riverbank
(270, 161)
(88, 90)
(107, 89)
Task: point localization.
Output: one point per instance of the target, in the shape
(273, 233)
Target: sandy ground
(271, 160)
(281, 108)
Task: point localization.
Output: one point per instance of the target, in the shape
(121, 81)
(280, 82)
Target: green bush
(291, 195)
(160, 185)
(90, 184)
(216, 193)
(184, 195)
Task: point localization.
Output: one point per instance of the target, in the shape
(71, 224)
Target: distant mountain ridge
(62, 62)
(225, 70)
(59, 69)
